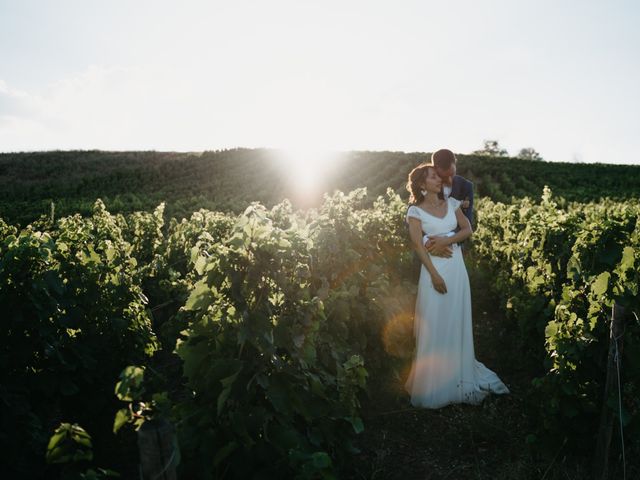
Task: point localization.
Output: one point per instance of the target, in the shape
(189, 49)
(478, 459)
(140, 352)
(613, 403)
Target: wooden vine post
(601, 459)
(158, 449)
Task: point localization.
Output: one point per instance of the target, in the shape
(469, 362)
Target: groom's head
(445, 162)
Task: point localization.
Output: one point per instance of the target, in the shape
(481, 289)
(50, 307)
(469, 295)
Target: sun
(306, 171)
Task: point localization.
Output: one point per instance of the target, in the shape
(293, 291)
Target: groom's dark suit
(462, 189)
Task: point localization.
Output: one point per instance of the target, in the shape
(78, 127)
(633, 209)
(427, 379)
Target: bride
(445, 369)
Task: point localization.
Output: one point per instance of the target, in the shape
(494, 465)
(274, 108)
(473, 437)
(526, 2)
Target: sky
(561, 77)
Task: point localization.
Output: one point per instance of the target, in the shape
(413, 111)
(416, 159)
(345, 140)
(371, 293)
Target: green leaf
(201, 297)
(628, 259)
(309, 353)
(111, 253)
(129, 388)
(194, 355)
(69, 443)
(551, 329)
(236, 241)
(321, 460)
(227, 384)
(356, 423)
(195, 252)
(122, 417)
(599, 286)
(201, 263)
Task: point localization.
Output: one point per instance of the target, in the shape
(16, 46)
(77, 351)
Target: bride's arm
(415, 232)
(464, 226)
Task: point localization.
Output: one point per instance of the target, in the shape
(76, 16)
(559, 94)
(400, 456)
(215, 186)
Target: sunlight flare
(307, 171)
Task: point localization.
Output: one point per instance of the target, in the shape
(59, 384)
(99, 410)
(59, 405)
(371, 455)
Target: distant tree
(529, 154)
(491, 149)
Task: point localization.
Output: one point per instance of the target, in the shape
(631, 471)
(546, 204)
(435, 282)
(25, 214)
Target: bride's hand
(438, 283)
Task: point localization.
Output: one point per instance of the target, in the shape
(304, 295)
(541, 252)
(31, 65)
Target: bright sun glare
(306, 170)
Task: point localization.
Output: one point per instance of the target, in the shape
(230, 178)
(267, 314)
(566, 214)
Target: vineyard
(229, 180)
(265, 335)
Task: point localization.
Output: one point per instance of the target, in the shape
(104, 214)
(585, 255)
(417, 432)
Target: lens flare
(397, 336)
(307, 171)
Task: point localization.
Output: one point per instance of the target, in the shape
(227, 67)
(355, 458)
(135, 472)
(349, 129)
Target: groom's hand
(436, 247)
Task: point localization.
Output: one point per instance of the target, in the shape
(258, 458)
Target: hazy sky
(560, 76)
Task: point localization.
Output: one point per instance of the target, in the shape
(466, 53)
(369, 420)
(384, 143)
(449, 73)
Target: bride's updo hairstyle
(417, 178)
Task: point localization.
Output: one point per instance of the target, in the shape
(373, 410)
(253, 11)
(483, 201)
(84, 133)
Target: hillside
(230, 179)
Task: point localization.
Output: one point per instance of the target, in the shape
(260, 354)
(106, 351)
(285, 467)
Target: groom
(454, 186)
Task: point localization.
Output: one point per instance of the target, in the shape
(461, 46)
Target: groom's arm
(436, 250)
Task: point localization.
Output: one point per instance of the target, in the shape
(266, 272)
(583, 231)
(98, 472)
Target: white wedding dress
(445, 369)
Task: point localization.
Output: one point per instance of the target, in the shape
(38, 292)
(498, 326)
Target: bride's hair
(417, 176)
